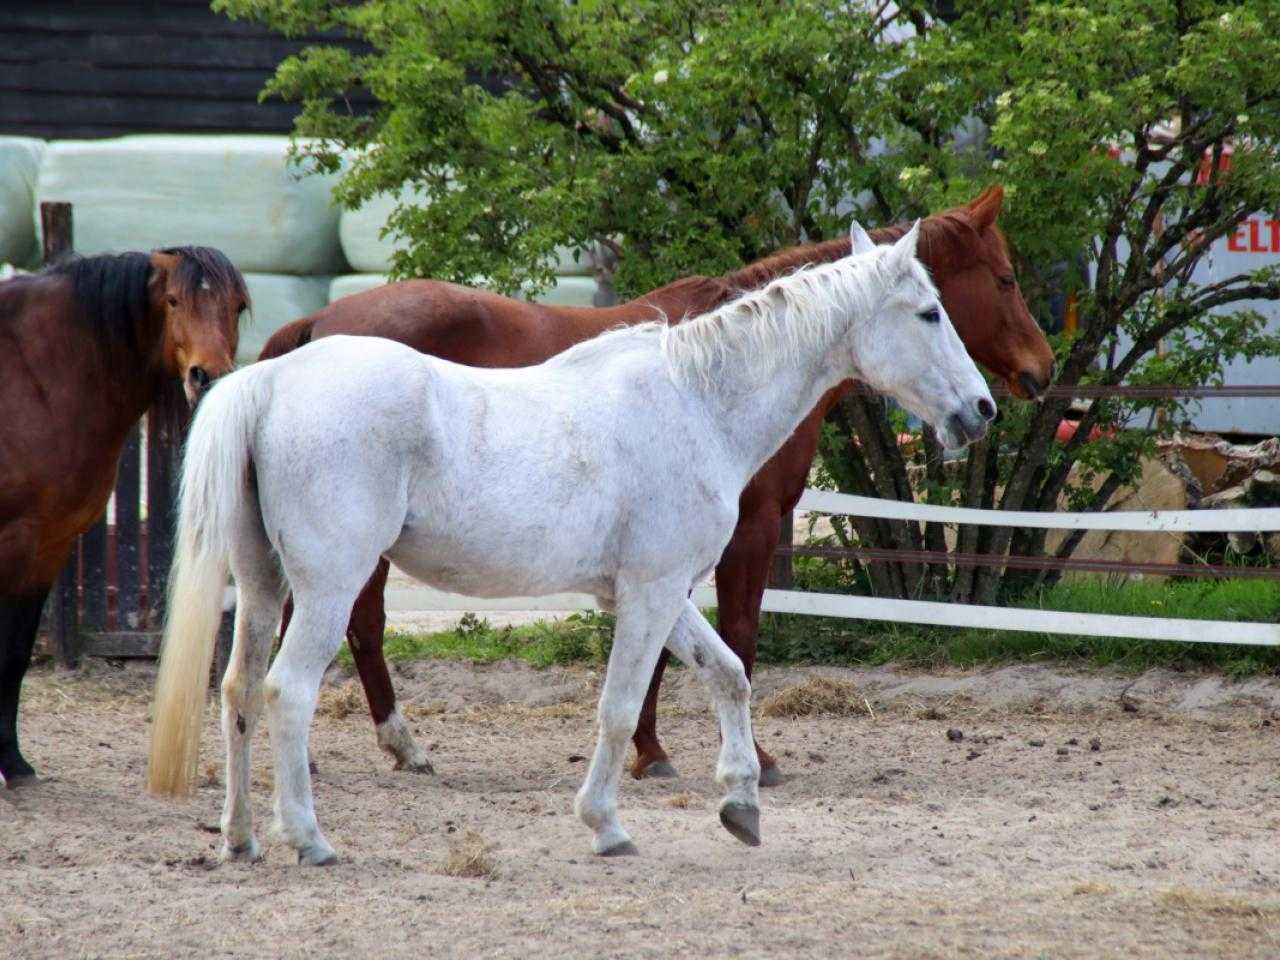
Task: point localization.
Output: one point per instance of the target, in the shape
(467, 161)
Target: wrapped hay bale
(19, 167)
(345, 286)
(366, 250)
(277, 299)
(568, 291)
(237, 193)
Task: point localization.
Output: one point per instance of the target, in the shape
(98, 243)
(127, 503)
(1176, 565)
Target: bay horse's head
(200, 295)
(969, 259)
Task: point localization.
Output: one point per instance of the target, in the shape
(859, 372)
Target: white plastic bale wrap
(568, 291)
(368, 252)
(277, 299)
(354, 283)
(239, 194)
(19, 167)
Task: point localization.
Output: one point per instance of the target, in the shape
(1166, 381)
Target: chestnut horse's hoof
(743, 821)
(661, 769)
(770, 776)
(416, 766)
(624, 849)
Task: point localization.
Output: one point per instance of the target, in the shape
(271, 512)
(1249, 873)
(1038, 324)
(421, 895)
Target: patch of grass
(579, 637)
(587, 637)
(470, 855)
(816, 696)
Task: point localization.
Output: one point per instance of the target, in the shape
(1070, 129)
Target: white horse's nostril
(986, 409)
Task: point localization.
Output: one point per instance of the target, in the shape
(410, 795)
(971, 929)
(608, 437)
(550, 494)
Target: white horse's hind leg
(293, 684)
(260, 587)
(645, 617)
(700, 647)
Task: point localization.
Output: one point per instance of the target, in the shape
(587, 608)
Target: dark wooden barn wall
(102, 68)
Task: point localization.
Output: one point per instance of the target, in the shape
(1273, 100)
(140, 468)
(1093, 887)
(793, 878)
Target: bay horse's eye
(930, 316)
(173, 301)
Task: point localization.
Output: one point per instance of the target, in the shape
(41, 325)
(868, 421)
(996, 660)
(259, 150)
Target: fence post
(780, 570)
(64, 613)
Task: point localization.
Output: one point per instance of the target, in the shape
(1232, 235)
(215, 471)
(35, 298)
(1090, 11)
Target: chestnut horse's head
(200, 296)
(969, 260)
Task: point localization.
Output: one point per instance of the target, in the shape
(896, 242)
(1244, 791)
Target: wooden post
(55, 225)
(64, 621)
(780, 572)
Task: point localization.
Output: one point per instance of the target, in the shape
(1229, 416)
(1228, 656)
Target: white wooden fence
(949, 614)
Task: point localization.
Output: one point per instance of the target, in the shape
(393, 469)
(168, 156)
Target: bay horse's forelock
(81, 360)
(965, 254)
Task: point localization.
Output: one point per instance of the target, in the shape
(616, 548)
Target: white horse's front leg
(645, 617)
(292, 687)
(695, 642)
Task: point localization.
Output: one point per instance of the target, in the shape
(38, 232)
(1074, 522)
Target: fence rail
(933, 613)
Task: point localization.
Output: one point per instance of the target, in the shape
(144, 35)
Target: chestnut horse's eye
(173, 301)
(1006, 282)
(930, 316)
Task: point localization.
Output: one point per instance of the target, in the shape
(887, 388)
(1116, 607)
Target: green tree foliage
(694, 136)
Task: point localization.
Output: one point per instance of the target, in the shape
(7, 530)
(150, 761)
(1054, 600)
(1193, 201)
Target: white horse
(613, 469)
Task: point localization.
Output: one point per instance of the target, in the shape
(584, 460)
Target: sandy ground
(1015, 838)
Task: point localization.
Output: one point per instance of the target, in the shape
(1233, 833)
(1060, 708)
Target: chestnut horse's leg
(651, 760)
(19, 621)
(364, 636)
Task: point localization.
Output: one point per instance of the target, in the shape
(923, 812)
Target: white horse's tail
(215, 484)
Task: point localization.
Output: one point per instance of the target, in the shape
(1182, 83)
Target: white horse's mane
(790, 317)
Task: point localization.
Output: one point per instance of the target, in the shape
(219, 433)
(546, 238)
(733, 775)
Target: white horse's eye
(930, 316)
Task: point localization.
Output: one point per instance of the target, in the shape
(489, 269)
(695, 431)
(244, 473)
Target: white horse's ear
(905, 248)
(859, 240)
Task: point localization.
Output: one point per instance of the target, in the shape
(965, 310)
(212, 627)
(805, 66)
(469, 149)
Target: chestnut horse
(86, 346)
(969, 261)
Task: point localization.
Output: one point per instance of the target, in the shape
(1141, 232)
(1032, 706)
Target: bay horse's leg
(19, 621)
(259, 585)
(741, 577)
(651, 760)
(292, 686)
(699, 647)
(646, 615)
(364, 637)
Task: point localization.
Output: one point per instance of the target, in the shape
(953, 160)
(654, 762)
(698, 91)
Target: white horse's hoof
(318, 854)
(742, 820)
(247, 851)
(624, 849)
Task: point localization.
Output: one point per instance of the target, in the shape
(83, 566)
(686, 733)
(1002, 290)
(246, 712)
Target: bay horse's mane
(111, 288)
(942, 236)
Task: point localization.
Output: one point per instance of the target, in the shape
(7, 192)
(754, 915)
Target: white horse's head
(907, 348)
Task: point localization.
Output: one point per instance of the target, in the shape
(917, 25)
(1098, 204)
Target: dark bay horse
(969, 261)
(86, 347)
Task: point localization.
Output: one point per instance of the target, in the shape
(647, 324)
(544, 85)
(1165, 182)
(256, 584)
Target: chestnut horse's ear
(859, 240)
(985, 208)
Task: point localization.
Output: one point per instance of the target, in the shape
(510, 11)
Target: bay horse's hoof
(624, 849)
(742, 821)
(661, 769)
(770, 776)
(15, 769)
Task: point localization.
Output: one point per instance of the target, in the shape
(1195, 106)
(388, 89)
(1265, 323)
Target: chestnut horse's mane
(111, 289)
(950, 229)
